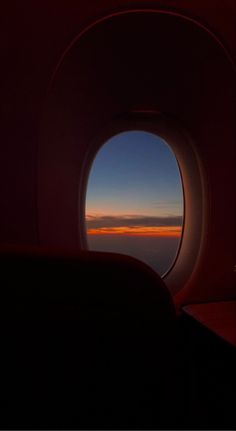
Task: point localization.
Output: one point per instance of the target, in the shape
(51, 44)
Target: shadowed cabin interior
(94, 339)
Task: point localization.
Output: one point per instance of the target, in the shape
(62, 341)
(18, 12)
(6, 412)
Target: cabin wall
(35, 34)
(153, 68)
(34, 37)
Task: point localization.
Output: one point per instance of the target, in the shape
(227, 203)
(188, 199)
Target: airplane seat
(88, 341)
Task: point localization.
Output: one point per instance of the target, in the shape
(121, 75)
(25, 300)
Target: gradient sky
(134, 188)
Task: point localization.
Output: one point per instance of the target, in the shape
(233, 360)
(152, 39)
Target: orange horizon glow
(155, 231)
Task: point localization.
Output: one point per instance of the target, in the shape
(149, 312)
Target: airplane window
(134, 202)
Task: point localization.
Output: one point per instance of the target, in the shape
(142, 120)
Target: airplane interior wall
(73, 72)
(156, 68)
(34, 36)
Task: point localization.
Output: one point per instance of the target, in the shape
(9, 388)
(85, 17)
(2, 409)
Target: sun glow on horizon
(151, 231)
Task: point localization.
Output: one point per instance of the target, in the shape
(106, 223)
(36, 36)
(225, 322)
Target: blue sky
(135, 173)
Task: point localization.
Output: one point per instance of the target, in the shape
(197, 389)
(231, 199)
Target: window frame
(179, 141)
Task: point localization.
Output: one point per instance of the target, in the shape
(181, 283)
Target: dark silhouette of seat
(87, 340)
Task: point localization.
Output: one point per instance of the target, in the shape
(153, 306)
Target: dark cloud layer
(96, 222)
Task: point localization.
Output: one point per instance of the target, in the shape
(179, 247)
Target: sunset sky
(134, 199)
(134, 188)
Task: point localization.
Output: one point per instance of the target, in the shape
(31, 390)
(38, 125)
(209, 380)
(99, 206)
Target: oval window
(134, 201)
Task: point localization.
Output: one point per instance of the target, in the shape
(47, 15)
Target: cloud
(153, 231)
(95, 221)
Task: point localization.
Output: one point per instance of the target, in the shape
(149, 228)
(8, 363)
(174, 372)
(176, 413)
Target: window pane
(134, 202)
